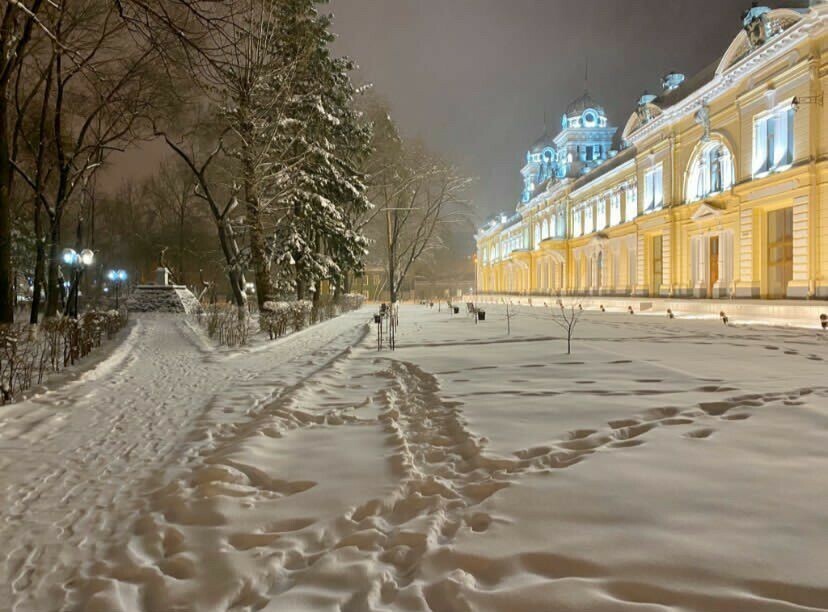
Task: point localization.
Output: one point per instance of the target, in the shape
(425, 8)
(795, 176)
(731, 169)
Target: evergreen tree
(319, 187)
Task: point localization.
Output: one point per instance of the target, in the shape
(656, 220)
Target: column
(799, 287)
(747, 286)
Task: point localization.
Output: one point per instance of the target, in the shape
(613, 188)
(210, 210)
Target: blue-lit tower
(585, 140)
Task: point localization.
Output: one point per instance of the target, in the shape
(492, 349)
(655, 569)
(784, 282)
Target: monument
(163, 295)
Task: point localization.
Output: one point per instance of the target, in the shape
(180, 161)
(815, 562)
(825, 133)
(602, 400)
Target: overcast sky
(473, 77)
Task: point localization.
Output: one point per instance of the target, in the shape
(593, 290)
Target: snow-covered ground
(665, 465)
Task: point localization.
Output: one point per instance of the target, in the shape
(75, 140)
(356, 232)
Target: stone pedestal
(162, 276)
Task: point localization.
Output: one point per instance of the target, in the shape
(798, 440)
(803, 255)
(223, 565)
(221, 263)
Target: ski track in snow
(164, 487)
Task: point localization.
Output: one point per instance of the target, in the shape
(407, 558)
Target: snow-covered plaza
(664, 465)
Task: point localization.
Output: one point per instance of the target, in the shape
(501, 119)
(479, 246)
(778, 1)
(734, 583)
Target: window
(601, 215)
(560, 224)
(577, 230)
(711, 172)
(615, 209)
(589, 225)
(537, 234)
(654, 188)
(773, 144)
(631, 204)
(545, 230)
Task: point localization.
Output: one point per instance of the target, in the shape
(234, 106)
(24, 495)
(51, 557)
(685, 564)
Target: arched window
(545, 230)
(711, 171)
(538, 237)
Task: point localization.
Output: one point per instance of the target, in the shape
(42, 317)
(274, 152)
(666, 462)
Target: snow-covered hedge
(29, 353)
(275, 317)
(224, 324)
(352, 301)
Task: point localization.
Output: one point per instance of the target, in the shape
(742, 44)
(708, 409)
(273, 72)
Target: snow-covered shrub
(273, 318)
(223, 324)
(352, 301)
(300, 312)
(29, 353)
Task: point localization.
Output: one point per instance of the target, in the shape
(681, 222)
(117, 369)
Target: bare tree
(566, 317)
(414, 199)
(98, 87)
(510, 314)
(17, 24)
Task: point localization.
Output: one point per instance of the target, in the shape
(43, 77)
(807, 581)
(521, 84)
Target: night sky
(473, 78)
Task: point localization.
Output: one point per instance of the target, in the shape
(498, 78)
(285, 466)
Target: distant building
(718, 190)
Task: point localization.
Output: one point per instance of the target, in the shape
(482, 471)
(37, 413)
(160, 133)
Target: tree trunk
(40, 260)
(231, 256)
(52, 288)
(317, 294)
(258, 244)
(6, 298)
(392, 283)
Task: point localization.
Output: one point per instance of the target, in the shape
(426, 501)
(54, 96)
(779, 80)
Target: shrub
(28, 353)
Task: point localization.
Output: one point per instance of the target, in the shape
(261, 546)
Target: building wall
(717, 246)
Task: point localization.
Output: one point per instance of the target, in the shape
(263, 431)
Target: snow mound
(163, 298)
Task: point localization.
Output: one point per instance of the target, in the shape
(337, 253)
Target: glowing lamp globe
(69, 257)
(87, 257)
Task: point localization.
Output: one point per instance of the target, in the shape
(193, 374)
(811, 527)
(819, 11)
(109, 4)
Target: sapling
(567, 318)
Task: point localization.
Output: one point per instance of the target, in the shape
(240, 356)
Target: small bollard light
(723, 317)
(823, 318)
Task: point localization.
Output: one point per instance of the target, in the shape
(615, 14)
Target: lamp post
(77, 262)
(117, 277)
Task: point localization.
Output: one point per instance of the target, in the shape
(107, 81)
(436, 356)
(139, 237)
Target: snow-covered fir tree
(322, 139)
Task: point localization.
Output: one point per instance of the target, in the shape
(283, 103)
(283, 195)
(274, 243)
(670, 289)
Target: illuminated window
(654, 188)
(631, 204)
(601, 215)
(773, 141)
(615, 209)
(711, 172)
(589, 224)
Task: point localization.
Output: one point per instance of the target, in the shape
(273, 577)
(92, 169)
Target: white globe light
(111, 275)
(122, 275)
(69, 257)
(87, 257)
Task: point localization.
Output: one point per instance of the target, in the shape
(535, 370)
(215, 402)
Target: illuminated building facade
(718, 189)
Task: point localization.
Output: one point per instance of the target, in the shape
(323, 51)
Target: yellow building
(719, 189)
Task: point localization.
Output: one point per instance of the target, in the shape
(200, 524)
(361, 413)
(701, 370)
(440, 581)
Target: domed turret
(579, 106)
(586, 139)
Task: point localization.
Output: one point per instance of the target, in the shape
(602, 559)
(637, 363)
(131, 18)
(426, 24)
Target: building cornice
(729, 78)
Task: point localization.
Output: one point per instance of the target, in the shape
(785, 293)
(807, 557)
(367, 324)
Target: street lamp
(77, 262)
(117, 277)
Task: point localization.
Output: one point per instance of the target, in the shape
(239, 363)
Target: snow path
(76, 460)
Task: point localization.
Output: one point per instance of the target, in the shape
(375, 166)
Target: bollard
(823, 318)
(670, 314)
(723, 317)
